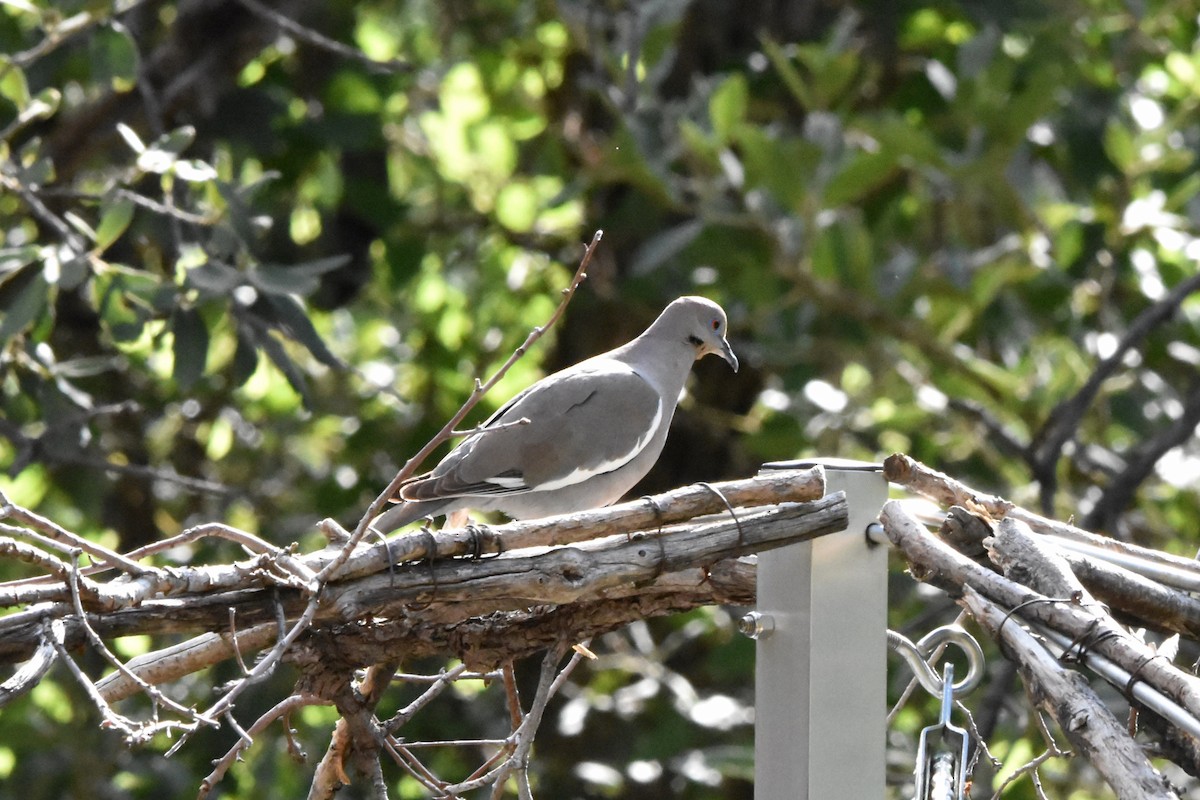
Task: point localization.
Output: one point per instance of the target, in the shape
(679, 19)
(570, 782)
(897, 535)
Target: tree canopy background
(254, 255)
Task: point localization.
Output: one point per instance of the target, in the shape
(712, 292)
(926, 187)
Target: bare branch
(936, 562)
(33, 670)
(178, 660)
(393, 65)
(188, 599)
(1076, 708)
(1064, 420)
(441, 683)
(153, 692)
(9, 510)
(280, 710)
(1140, 464)
(941, 488)
(947, 491)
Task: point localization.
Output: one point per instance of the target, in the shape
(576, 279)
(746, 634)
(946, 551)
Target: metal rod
(1119, 677)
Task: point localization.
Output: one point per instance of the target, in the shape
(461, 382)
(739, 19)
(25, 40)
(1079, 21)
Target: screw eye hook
(917, 655)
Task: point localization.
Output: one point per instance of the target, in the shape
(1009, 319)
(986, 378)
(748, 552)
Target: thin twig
(97, 552)
(511, 696)
(324, 42)
(442, 682)
(550, 680)
(233, 640)
(151, 691)
(263, 668)
(40, 210)
(413, 766)
(246, 737)
(146, 472)
(65, 30)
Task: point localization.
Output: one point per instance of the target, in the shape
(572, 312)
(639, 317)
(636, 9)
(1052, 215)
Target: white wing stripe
(507, 483)
(583, 473)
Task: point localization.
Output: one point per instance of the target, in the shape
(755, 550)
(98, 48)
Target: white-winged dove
(579, 438)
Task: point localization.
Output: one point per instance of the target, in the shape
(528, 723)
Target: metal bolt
(756, 625)
(876, 534)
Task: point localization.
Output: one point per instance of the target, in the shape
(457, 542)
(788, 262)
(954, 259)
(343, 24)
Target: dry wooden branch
(936, 562)
(185, 658)
(1147, 601)
(677, 505)
(199, 598)
(567, 574)
(487, 640)
(1051, 571)
(1079, 712)
(1035, 563)
(55, 532)
(947, 491)
(549, 581)
(33, 670)
(460, 599)
(941, 488)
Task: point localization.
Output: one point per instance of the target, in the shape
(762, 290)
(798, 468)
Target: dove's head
(701, 323)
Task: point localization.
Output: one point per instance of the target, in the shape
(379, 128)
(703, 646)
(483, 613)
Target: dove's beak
(726, 352)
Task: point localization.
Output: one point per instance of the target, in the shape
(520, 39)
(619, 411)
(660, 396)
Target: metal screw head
(756, 625)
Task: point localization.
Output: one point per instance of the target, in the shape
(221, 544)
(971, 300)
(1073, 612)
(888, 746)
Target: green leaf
(115, 216)
(1183, 192)
(191, 346)
(301, 279)
(193, 170)
(700, 144)
(784, 166)
(788, 73)
(1119, 146)
(864, 173)
(279, 357)
(25, 306)
(245, 356)
(176, 141)
(13, 86)
(160, 157)
(73, 272)
(14, 258)
(34, 168)
(131, 138)
(239, 214)
(114, 57)
(43, 106)
(667, 245)
(293, 320)
(842, 251)
(830, 74)
(214, 279)
(727, 106)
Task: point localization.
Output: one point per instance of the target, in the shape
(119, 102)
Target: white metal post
(821, 671)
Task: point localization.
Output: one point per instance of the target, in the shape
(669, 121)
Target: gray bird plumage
(592, 431)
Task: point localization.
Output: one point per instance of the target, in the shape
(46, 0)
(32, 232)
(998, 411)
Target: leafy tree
(253, 255)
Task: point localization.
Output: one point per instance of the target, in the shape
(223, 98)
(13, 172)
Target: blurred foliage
(244, 273)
